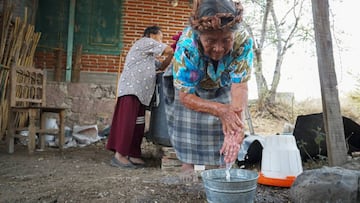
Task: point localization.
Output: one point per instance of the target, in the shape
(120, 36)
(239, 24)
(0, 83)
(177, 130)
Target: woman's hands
(231, 119)
(233, 129)
(231, 147)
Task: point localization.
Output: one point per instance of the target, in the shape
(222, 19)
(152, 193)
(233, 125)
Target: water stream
(227, 171)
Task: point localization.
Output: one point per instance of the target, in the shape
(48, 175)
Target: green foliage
(320, 137)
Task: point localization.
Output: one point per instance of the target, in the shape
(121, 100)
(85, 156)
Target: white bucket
(281, 161)
(50, 123)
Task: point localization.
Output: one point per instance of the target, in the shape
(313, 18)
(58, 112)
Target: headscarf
(218, 21)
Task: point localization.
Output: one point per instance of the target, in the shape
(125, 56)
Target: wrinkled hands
(233, 129)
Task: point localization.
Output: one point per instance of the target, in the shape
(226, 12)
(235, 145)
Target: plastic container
(281, 161)
(240, 188)
(50, 123)
(158, 132)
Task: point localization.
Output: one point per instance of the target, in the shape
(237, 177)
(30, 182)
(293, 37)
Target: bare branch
(264, 23)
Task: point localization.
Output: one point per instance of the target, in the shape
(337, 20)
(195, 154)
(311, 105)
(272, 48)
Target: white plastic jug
(281, 161)
(50, 123)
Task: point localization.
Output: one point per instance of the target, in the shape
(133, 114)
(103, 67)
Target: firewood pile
(18, 41)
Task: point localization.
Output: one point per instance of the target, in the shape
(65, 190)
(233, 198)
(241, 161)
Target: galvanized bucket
(241, 188)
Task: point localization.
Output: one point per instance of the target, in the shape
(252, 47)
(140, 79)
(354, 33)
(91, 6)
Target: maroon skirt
(127, 127)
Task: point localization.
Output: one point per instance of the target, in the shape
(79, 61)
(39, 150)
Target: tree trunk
(260, 79)
(334, 128)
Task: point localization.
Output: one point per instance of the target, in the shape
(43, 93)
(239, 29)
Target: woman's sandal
(116, 163)
(136, 163)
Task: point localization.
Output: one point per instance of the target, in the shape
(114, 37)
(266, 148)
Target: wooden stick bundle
(18, 42)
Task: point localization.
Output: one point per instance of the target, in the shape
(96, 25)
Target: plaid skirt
(196, 137)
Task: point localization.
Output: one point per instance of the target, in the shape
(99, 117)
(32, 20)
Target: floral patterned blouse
(139, 75)
(191, 68)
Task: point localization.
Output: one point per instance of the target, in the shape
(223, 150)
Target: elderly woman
(206, 90)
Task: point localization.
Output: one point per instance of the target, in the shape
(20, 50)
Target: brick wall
(92, 100)
(140, 14)
(137, 15)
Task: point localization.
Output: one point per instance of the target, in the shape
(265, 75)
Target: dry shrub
(273, 120)
(266, 123)
(350, 106)
(308, 106)
(351, 103)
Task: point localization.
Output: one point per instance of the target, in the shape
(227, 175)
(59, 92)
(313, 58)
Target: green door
(97, 25)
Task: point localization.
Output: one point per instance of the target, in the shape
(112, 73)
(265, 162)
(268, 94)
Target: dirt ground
(85, 175)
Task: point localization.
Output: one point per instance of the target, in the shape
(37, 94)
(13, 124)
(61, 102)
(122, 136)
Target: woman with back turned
(135, 90)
